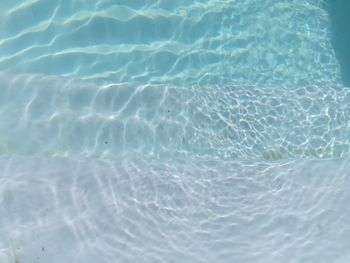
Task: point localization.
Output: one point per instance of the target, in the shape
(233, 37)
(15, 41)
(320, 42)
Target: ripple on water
(59, 116)
(230, 172)
(144, 210)
(186, 43)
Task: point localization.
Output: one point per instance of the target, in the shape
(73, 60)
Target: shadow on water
(339, 12)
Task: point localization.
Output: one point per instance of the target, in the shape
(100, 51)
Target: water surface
(173, 131)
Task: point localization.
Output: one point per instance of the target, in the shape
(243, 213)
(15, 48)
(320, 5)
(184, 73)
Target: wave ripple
(190, 42)
(144, 210)
(59, 117)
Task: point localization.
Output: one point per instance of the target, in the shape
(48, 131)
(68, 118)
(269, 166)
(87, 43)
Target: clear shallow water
(249, 42)
(155, 131)
(147, 210)
(53, 116)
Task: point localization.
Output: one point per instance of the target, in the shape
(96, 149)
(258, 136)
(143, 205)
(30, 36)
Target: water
(162, 131)
(338, 12)
(174, 211)
(187, 43)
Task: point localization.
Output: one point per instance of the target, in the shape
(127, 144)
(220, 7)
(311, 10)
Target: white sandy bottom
(61, 210)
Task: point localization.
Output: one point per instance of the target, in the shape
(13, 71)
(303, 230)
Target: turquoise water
(338, 12)
(172, 131)
(187, 43)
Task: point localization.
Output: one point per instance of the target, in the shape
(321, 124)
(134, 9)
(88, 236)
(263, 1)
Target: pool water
(187, 43)
(338, 12)
(174, 131)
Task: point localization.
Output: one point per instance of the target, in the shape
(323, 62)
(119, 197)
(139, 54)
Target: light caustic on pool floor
(174, 211)
(61, 117)
(189, 127)
(261, 43)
